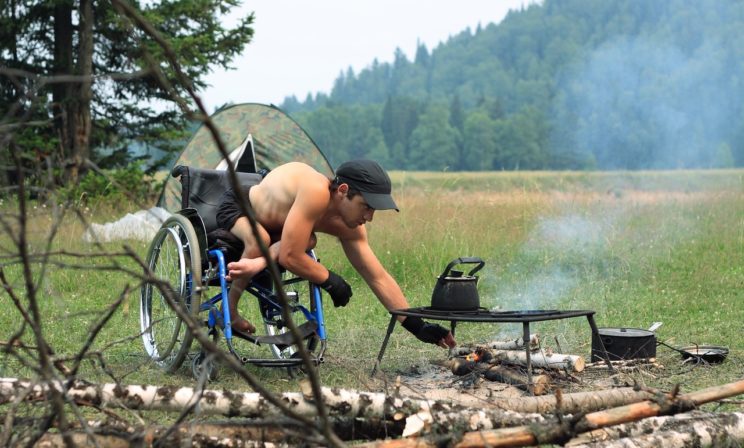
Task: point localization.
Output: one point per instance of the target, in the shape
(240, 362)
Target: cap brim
(380, 201)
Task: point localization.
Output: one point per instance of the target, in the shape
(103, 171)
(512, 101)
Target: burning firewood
(468, 363)
(479, 361)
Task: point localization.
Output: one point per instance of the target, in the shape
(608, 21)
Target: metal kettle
(456, 291)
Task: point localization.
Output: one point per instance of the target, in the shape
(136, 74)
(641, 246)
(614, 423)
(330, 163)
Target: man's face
(355, 211)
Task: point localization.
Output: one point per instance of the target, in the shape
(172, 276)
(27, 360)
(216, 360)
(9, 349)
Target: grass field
(635, 247)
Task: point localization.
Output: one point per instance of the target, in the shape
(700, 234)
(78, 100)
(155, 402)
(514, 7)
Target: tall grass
(634, 247)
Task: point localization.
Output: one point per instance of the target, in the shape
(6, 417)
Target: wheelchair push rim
(174, 260)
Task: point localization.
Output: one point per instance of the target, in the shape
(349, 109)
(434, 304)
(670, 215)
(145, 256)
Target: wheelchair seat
(201, 190)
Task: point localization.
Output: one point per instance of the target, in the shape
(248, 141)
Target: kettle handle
(465, 260)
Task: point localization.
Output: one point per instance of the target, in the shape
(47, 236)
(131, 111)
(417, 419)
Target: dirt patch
(433, 382)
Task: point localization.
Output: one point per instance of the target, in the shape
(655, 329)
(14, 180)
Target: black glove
(337, 288)
(424, 331)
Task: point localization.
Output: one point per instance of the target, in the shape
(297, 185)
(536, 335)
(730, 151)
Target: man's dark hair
(349, 194)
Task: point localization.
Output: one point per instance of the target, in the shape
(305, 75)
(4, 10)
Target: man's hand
(337, 288)
(430, 333)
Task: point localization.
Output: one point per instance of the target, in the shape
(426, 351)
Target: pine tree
(85, 69)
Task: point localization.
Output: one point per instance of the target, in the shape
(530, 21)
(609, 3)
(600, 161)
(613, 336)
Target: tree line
(566, 84)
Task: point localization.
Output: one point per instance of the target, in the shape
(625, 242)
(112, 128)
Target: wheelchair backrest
(202, 189)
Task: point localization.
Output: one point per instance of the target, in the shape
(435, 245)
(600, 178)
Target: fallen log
(702, 424)
(192, 435)
(419, 415)
(214, 402)
(527, 436)
(572, 363)
(574, 402)
(398, 443)
(251, 432)
(540, 383)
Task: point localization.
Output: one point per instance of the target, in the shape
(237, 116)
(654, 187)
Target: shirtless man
(292, 203)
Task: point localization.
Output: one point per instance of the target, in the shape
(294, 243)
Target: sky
(301, 46)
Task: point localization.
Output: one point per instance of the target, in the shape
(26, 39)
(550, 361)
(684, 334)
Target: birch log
(703, 424)
(572, 363)
(574, 402)
(196, 440)
(420, 415)
(340, 403)
(514, 344)
(526, 435)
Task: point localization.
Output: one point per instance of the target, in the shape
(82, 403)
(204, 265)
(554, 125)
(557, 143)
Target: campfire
(491, 364)
(506, 362)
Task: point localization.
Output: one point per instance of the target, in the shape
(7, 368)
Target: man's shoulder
(297, 167)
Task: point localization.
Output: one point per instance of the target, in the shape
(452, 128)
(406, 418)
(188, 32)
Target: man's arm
(383, 285)
(308, 207)
(388, 291)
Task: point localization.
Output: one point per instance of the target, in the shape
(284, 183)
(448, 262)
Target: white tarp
(141, 225)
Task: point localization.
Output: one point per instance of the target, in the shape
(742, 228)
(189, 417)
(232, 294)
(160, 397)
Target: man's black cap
(371, 180)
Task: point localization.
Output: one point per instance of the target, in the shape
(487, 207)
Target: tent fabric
(277, 139)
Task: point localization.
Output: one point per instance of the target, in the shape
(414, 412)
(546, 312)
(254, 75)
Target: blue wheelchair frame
(270, 308)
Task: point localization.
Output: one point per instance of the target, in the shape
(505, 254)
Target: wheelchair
(182, 254)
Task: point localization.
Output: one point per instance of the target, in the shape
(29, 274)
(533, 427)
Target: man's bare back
(273, 199)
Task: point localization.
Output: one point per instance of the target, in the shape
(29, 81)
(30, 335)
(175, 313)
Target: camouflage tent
(256, 136)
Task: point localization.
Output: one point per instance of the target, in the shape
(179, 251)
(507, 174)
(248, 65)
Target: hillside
(579, 84)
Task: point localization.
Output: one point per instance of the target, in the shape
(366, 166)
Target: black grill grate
(485, 315)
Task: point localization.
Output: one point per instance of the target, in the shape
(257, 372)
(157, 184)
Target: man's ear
(343, 189)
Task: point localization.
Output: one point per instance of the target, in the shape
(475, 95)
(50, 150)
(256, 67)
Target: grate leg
(391, 326)
(526, 340)
(595, 333)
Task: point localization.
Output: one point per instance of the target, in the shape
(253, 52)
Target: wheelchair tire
(174, 258)
(204, 367)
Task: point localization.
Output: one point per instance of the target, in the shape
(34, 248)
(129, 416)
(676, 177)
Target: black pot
(624, 343)
(455, 291)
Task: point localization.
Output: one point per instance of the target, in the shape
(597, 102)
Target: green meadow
(635, 247)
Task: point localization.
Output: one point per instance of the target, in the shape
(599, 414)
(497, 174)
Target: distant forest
(566, 84)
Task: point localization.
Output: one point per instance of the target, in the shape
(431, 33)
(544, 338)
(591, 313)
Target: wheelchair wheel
(175, 261)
